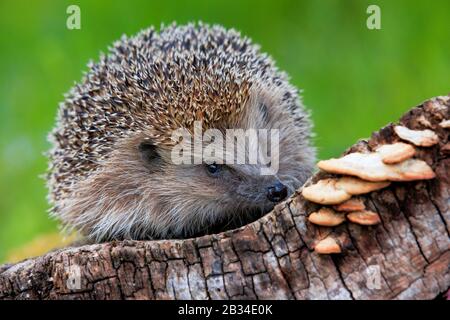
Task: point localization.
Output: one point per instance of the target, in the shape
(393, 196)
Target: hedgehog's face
(211, 192)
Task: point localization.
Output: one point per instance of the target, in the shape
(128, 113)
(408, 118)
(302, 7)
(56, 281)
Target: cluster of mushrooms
(363, 173)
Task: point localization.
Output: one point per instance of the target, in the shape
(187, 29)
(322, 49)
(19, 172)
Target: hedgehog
(111, 175)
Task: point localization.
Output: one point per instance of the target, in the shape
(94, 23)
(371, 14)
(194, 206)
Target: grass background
(355, 80)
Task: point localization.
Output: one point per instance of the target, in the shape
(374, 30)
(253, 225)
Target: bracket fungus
(326, 217)
(367, 218)
(353, 204)
(370, 166)
(421, 138)
(396, 152)
(327, 246)
(336, 191)
(367, 171)
(445, 124)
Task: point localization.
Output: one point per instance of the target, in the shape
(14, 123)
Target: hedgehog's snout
(277, 192)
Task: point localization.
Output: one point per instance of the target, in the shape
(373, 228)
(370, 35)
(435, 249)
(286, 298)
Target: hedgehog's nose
(277, 192)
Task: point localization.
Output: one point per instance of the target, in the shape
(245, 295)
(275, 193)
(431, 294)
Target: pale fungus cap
(370, 166)
(326, 217)
(327, 246)
(421, 138)
(336, 191)
(325, 192)
(445, 124)
(366, 217)
(357, 186)
(396, 152)
(353, 204)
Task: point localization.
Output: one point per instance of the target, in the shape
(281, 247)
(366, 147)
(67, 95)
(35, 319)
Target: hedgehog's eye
(148, 151)
(213, 168)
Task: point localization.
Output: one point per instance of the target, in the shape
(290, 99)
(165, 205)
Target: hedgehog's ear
(148, 151)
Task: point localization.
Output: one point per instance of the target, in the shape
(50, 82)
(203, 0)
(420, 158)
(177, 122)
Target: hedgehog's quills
(110, 173)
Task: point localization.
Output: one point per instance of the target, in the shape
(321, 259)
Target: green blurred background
(355, 80)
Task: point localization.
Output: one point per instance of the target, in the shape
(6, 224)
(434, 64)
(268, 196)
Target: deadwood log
(407, 256)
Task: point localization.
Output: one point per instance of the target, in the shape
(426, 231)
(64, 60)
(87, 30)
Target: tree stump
(407, 256)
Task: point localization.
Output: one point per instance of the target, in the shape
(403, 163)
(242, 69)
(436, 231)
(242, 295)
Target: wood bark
(407, 256)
